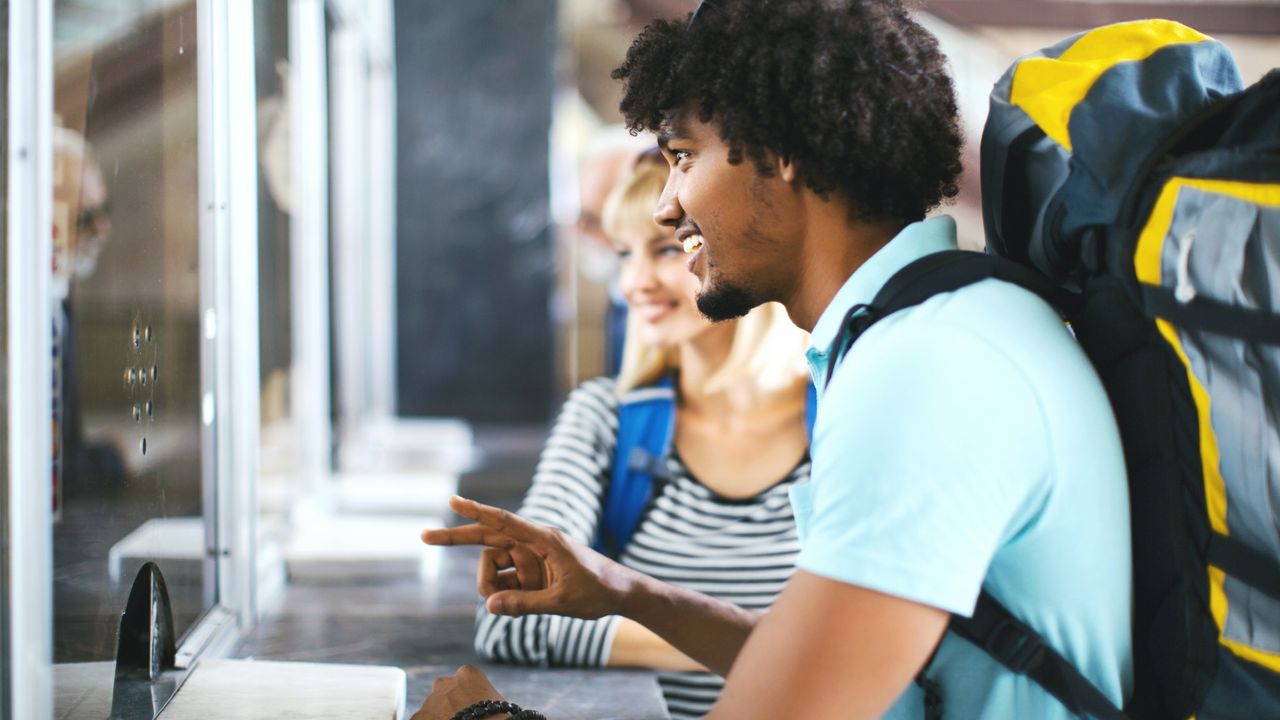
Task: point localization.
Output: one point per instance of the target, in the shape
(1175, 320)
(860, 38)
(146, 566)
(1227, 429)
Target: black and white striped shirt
(741, 550)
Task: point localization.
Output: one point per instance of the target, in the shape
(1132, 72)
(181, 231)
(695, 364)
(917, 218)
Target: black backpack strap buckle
(1009, 644)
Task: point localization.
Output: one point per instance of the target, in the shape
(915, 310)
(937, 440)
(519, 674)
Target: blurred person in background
(81, 230)
(601, 171)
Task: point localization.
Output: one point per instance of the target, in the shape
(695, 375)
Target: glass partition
(128, 462)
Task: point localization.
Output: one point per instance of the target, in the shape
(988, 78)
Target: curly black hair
(854, 92)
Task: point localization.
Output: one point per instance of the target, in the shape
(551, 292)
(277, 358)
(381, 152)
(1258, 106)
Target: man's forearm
(710, 631)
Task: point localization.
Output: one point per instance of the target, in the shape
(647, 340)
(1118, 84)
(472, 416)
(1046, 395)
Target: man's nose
(669, 213)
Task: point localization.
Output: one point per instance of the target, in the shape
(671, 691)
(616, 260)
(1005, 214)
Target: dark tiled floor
(425, 627)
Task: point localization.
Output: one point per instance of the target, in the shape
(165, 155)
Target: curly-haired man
(961, 445)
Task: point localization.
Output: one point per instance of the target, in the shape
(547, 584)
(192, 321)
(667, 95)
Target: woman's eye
(669, 250)
(623, 254)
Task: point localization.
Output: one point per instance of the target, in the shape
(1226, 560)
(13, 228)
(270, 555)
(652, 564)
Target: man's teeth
(692, 243)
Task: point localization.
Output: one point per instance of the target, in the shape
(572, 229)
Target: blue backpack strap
(646, 421)
(646, 418)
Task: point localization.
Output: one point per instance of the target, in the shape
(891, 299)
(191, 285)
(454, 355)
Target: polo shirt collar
(914, 241)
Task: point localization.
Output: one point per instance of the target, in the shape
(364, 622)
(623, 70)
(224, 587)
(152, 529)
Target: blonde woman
(718, 519)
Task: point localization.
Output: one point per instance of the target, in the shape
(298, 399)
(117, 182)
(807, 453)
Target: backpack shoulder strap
(939, 273)
(1020, 649)
(646, 417)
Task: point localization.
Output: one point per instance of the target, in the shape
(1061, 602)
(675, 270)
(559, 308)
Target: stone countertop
(240, 690)
(424, 625)
(264, 690)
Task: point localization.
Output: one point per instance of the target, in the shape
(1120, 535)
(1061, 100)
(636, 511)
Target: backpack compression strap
(1213, 316)
(1243, 563)
(995, 630)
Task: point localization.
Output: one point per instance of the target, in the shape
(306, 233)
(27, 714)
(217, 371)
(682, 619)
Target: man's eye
(679, 155)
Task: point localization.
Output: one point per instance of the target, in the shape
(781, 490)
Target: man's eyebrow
(670, 130)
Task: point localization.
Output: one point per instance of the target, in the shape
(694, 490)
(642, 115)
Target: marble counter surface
(82, 690)
(577, 694)
(246, 690)
(242, 690)
(424, 625)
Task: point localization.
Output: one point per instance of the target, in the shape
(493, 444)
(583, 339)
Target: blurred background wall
(475, 261)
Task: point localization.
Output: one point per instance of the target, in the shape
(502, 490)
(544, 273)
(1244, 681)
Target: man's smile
(693, 245)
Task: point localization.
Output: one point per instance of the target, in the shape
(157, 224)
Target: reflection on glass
(127, 467)
(280, 454)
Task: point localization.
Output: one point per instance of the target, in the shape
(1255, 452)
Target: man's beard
(721, 301)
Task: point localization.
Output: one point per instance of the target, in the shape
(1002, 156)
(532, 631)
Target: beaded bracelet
(489, 708)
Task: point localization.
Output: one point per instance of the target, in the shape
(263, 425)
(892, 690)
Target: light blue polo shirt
(968, 442)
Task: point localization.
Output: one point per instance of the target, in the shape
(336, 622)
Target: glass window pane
(127, 394)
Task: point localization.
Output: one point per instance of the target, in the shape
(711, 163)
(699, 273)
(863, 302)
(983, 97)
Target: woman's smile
(654, 311)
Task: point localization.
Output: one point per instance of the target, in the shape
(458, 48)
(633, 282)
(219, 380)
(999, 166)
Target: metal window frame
(4, 353)
(28, 586)
(352, 246)
(228, 223)
(362, 63)
(309, 239)
(380, 30)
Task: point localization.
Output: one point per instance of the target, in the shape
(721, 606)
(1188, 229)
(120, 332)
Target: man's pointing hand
(527, 568)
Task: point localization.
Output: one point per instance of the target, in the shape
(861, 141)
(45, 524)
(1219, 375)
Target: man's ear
(786, 168)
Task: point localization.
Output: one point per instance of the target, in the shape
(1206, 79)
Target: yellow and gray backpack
(1129, 179)
(1128, 165)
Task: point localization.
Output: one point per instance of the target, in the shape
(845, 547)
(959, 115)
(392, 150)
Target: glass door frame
(309, 241)
(228, 201)
(28, 545)
(362, 71)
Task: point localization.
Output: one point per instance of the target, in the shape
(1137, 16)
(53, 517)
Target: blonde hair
(767, 349)
(629, 208)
